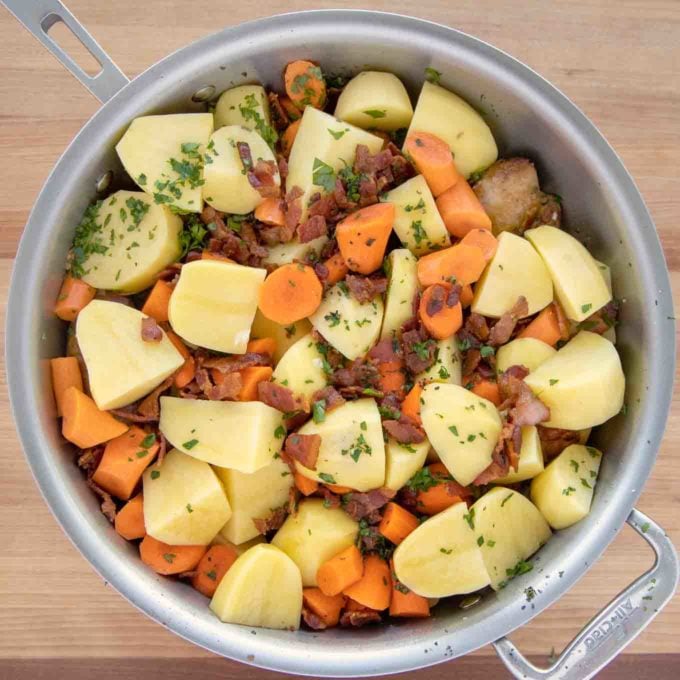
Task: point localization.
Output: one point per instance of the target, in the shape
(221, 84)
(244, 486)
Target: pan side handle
(38, 16)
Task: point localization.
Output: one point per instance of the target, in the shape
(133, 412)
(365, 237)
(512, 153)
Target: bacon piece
(360, 373)
(403, 431)
(330, 500)
(361, 505)
(525, 407)
(476, 326)
(108, 507)
(151, 331)
(229, 387)
(366, 163)
(330, 396)
(358, 619)
(261, 178)
(281, 398)
(471, 360)
(419, 350)
(340, 195)
(237, 362)
(368, 191)
(312, 620)
(303, 448)
(273, 521)
(294, 206)
(364, 288)
(554, 440)
(150, 406)
(503, 328)
(279, 116)
(313, 228)
(89, 459)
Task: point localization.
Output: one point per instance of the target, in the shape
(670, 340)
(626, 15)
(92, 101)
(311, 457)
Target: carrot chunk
(411, 405)
(212, 568)
(374, 588)
(466, 296)
(305, 85)
(304, 485)
(433, 160)
(288, 137)
(488, 389)
(251, 377)
(338, 490)
(337, 268)
(362, 237)
(438, 497)
(270, 211)
(482, 239)
(544, 327)
(156, 305)
(340, 572)
(83, 423)
(461, 210)
(405, 602)
(129, 522)
(262, 346)
(65, 373)
(210, 255)
(441, 318)
(290, 293)
(170, 559)
(326, 607)
(458, 264)
(397, 523)
(73, 296)
(185, 374)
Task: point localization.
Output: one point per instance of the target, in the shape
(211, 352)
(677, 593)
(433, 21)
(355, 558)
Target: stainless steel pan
(604, 208)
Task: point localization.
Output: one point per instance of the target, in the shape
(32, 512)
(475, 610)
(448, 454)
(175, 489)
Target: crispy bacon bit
(151, 331)
(294, 207)
(384, 352)
(150, 406)
(419, 350)
(403, 431)
(89, 459)
(313, 228)
(554, 440)
(228, 387)
(476, 325)
(471, 360)
(499, 466)
(261, 178)
(283, 166)
(367, 163)
(525, 407)
(128, 414)
(324, 206)
(503, 328)
(357, 619)
(281, 398)
(272, 522)
(368, 191)
(279, 116)
(330, 396)
(364, 288)
(162, 448)
(340, 195)
(236, 363)
(330, 500)
(362, 505)
(359, 373)
(108, 507)
(304, 448)
(312, 620)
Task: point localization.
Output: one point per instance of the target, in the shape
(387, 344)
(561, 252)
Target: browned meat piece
(312, 620)
(554, 440)
(357, 619)
(471, 360)
(151, 331)
(304, 448)
(503, 328)
(360, 374)
(108, 507)
(419, 350)
(273, 521)
(281, 398)
(149, 407)
(361, 505)
(293, 207)
(237, 362)
(228, 387)
(368, 191)
(403, 431)
(261, 178)
(279, 116)
(365, 288)
(89, 459)
(330, 396)
(313, 228)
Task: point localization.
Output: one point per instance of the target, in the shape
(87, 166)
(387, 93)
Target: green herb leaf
(148, 441)
(325, 477)
(376, 113)
(155, 474)
(432, 75)
(323, 175)
(586, 308)
(190, 444)
(319, 411)
(336, 134)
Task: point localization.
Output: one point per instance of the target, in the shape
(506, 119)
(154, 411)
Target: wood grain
(618, 61)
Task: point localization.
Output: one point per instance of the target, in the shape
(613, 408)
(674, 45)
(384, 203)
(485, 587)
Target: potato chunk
(245, 105)
(253, 496)
(349, 326)
(184, 502)
(579, 284)
(462, 428)
(323, 145)
(402, 461)
(402, 288)
(121, 367)
(441, 557)
(285, 336)
(284, 253)
(213, 304)
(509, 529)
(527, 352)
(516, 269)
(242, 435)
(530, 458)
(315, 535)
(375, 100)
(417, 221)
(164, 155)
(352, 449)
(448, 116)
(301, 368)
(563, 492)
(139, 237)
(262, 589)
(582, 384)
(447, 366)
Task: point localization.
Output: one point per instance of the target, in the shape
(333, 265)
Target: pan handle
(617, 624)
(38, 16)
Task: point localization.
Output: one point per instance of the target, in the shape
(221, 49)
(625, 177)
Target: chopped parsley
(323, 175)
(553, 381)
(325, 477)
(506, 499)
(443, 373)
(568, 491)
(446, 551)
(645, 527)
(487, 351)
(586, 308)
(358, 447)
(490, 542)
(336, 134)
(432, 75)
(419, 234)
(148, 441)
(155, 474)
(192, 235)
(189, 508)
(480, 541)
(584, 482)
(87, 241)
(424, 480)
(470, 518)
(454, 430)
(190, 444)
(280, 432)
(418, 206)
(376, 113)
(520, 568)
(250, 113)
(333, 319)
(574, 464)
(319, 411)
(141, 180)
(212, 575)
(169, 557)
(352, 181)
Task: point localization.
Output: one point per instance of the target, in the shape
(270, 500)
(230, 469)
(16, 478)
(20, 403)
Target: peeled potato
(284, 336)
(242, 435)
(579, 284)
(516, 269)
(563, 492)
(262, 588)
(348, 325)
(527, 352)
(241, 547)
(227, 187)
(301, 368)
(462, 428)
(446, 115)
(315, 534)
(582, 384)
(322, 140)
(441, 557)
(213, 304)
(253, 496)
(417, 221)
(164, 156)
(509, 529)
(530, 458)
(284, 253)
(402, 461)
(184, 502)
(352, 449)
(121, 367)
(402, 288)
(447, 366)
(249, 98)
(140, 240)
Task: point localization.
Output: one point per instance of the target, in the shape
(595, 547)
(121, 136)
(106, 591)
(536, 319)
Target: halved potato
(301, 368)
(509, 528)
(213, 304)
(251, 99)
(447, 366)
(140, 239)
(184, 502)
(527, 352)
(283, 253)
(563, 492)
(164, 156)
(579, 284)
(402, 287)
(121, 367)
(530, 458)
(352, 449)
(315, 534)
(262, 588)
(241, 435)
(402, 461)
(462, 428)
(348, 325)
(582, 385)
(375, 99)
(516, 269)
(448, 116)
(253, 496)
(285, 336)
(417, 221)
(441, 557)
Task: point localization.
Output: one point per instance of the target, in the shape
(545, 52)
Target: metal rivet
(104, 181)
(469, 601)
(203, 94)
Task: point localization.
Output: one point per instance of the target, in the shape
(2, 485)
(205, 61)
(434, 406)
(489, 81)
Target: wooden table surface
(619, 61)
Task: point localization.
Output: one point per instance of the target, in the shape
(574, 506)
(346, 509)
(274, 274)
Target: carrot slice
(433, 160)
(482, 239)
(339, 490)
(337, 268)
(438, 497)
(270, 211)
(458, 264)
(340, 571)
(392, 378)
(290, 293)
(291, 110)
(305, 85)
(439, 318)
(326, 607)
(73, 296)
(156, 305)
(405, 602)
(466, 296)
(83, 423)
(185, 374)
(461, 210)
(488, 389)
(65, 373)
(411, 405)
(170, 559)
(129, 522)
(397, 523)
(212, 568)
(544, 327)
(304, 485)
(288, 137)
(374, 588)
(362, 237)
(251, 377)
(262, 346)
